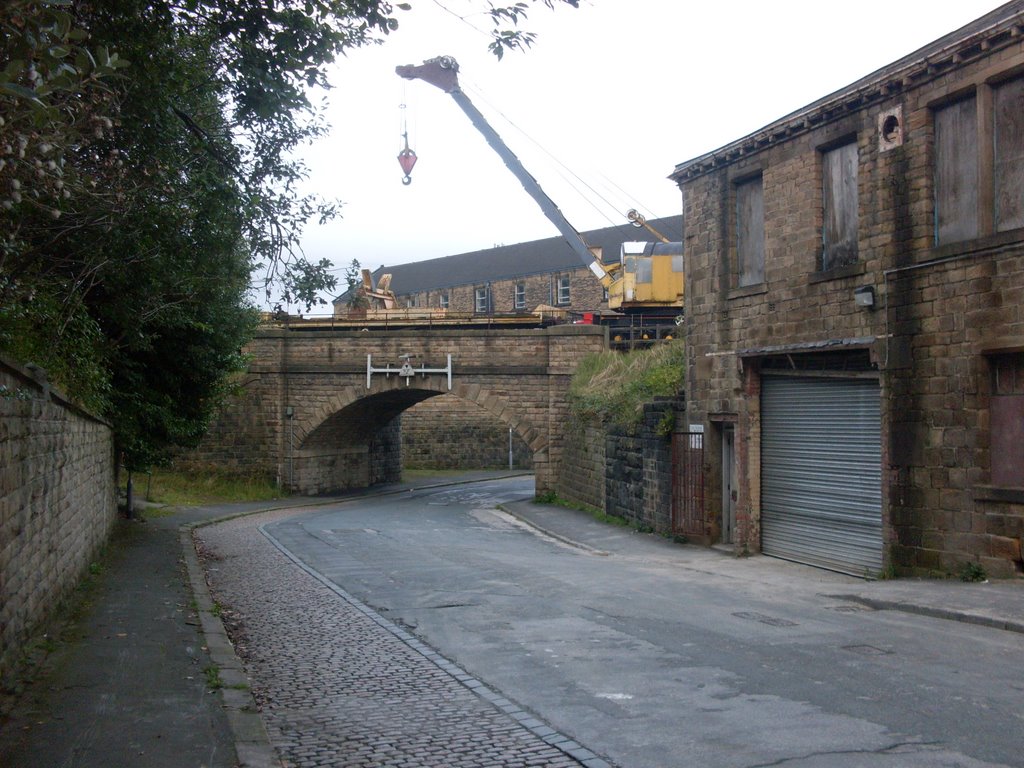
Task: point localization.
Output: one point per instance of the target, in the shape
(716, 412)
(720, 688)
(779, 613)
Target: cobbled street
(339, 686)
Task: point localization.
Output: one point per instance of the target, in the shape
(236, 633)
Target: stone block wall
(582, 476)
(585, 293)
(624, 473)
(638, 472)
(57, 502)
(624, 476)
(447, 433)
(657, 466)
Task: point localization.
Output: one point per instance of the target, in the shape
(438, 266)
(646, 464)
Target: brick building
(514, 279)
(855, 317)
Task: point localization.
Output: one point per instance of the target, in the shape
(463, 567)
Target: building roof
(506, 262)
(1003, 26)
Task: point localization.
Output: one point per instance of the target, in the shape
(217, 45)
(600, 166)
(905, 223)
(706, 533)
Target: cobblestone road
(340, 686)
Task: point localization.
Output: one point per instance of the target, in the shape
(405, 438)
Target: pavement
(145, 674)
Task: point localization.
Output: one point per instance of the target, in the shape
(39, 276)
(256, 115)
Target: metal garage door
(821, 482)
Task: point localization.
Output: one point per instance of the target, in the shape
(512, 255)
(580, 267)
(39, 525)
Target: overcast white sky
(618, 92)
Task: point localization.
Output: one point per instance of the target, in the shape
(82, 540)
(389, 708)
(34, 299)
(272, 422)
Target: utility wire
(463, 19)
(478, 92)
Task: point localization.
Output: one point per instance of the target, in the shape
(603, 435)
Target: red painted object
(407, 159)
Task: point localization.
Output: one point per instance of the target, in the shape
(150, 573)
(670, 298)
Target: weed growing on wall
(612, 387)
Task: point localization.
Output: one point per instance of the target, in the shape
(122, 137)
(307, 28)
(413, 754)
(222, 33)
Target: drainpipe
(289, 413)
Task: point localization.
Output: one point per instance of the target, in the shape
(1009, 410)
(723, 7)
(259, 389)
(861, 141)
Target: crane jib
(442, 72)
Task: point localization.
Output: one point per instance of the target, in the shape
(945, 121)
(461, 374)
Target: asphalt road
(651, 653)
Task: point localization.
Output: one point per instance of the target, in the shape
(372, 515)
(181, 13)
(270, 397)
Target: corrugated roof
(505, 262)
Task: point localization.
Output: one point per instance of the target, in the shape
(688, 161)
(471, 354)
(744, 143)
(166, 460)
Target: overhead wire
(566, 173)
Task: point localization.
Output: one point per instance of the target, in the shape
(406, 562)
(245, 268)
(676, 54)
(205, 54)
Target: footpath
(147, 676)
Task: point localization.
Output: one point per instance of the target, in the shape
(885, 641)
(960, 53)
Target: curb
(252, 743)
(552, 535)
(935, 613)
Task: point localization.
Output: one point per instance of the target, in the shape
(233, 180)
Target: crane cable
(478, 93)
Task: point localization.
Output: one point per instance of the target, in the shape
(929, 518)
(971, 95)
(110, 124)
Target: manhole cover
(851, 608)
(760, 617)
(867, 650)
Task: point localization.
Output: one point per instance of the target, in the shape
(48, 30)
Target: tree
(147, 173)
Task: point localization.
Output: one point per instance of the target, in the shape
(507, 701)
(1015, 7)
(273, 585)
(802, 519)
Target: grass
(550, 497)
(973, 572)
(213, 681)
(554, 499)
(186, 489)
(613, 387)
(408, 475)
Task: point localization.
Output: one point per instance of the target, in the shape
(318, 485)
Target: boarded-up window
(956, 172)
(1008, 101)
(839, 199)
(1006, 416)
(750, 232)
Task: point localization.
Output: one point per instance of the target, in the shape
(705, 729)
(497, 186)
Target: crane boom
(442, 72)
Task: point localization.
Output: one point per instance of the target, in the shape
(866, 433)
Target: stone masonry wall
(585, 293)
(447, 433)
(582, 475)
(57, 502)
(638, 472)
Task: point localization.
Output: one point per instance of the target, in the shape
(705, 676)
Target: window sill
(999, 493)
(977, 244)
(747, 290)
(850, 270)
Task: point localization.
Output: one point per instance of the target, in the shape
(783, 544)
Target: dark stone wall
(638, 472)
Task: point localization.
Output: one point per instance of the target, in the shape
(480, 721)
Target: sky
(609, 99)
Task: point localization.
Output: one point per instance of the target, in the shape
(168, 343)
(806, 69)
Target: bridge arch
(307, 413)
(353, 439)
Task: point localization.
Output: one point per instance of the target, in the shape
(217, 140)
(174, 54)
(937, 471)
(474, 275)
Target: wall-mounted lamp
(289, 412)
(864, 296)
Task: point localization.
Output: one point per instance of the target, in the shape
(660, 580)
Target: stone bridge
(308, 411)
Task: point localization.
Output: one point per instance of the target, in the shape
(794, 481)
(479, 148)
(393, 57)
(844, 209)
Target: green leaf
(13, 89)
(14, 69)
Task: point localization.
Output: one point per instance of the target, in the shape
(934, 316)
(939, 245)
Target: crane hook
(406, 158)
